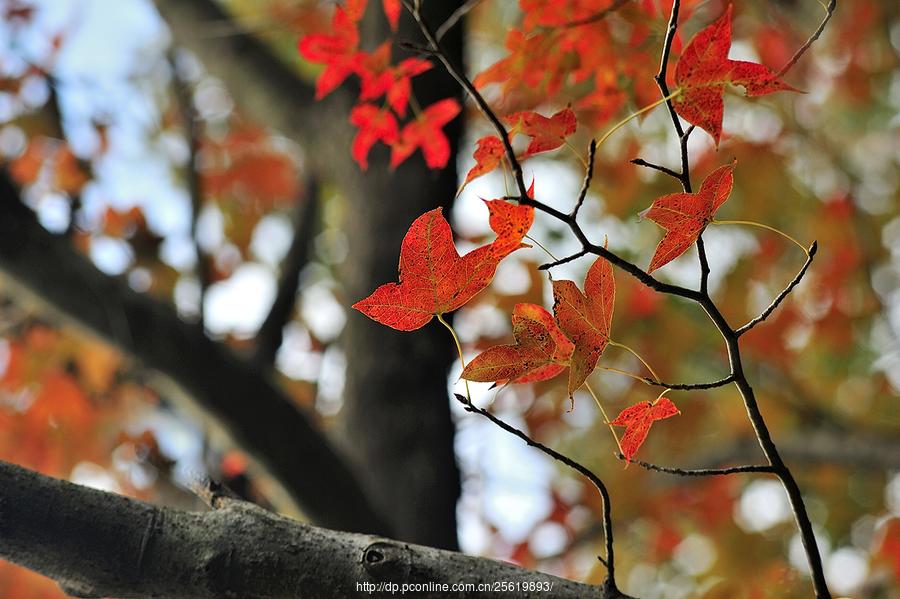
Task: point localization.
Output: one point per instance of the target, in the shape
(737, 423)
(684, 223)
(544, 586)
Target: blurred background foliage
(95, 132)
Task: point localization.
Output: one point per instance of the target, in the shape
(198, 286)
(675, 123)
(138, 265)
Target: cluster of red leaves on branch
(379, 77)
(435, 280)
(551, 54)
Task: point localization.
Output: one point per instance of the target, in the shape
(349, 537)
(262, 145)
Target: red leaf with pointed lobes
(684, 215)
(434, 279)
(511, 222)
(703, 71)
(488, 156)
(374, 125)
(336, 51)
(380, 78)
(586, 318)
(541, 351)
(637, 421)
(425, 132)
(546, 133)
(392, 12)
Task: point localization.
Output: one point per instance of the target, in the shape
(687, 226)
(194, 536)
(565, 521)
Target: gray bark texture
(97, 544)
(396, 420)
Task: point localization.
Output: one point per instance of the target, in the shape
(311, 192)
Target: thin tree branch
(662, 169)
(781, 296)
(98, 544)
(271, 332)
(455, 17)
(561, 261)
(583, 470)
(690, 386)
(588, 175)
(700, 471)
(829, 11)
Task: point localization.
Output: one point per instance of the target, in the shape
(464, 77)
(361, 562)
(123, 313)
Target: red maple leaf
(703, 71)
(487, 155)
(684, 215)
(357, 8)
(379, 78)
(426, 132)
(434, 279)
(374, 125)
(337, 51)
(637, 421)
(586, 318)
(392, 12)
(545, 133)
(541, 350)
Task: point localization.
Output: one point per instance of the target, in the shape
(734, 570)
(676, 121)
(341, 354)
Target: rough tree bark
(397, 419)
(97, 544)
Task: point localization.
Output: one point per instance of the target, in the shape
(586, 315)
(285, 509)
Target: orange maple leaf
(541, 350)
(546, 133)
(703, 71)
(637, 421)
(586, 318)
(434, 279)
(684, 215)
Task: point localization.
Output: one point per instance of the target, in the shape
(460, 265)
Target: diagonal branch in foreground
(242, 399)
(98, 544)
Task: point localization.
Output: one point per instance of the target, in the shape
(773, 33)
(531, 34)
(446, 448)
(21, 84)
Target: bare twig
(662, 169)
(455, 17)
(781, 296)
(562, 261)
(829, 11)
(700, 471)
(690, 386)
(583, 470)
(588, 175)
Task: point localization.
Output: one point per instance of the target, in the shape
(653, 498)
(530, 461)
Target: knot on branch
(387, 561)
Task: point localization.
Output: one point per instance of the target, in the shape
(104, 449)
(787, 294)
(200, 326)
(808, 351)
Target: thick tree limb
(97, 544)
(252, 409)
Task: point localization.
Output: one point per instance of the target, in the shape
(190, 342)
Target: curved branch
(781, 296)
(610, 589)
(97, 544)
(700, 471)
(829, 11)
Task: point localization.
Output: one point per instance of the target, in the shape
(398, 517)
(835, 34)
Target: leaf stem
(606, 419)
(541, 245)
(647, 108)
(762, 226)
(577, 153)
(636, 355)
(462, 361)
